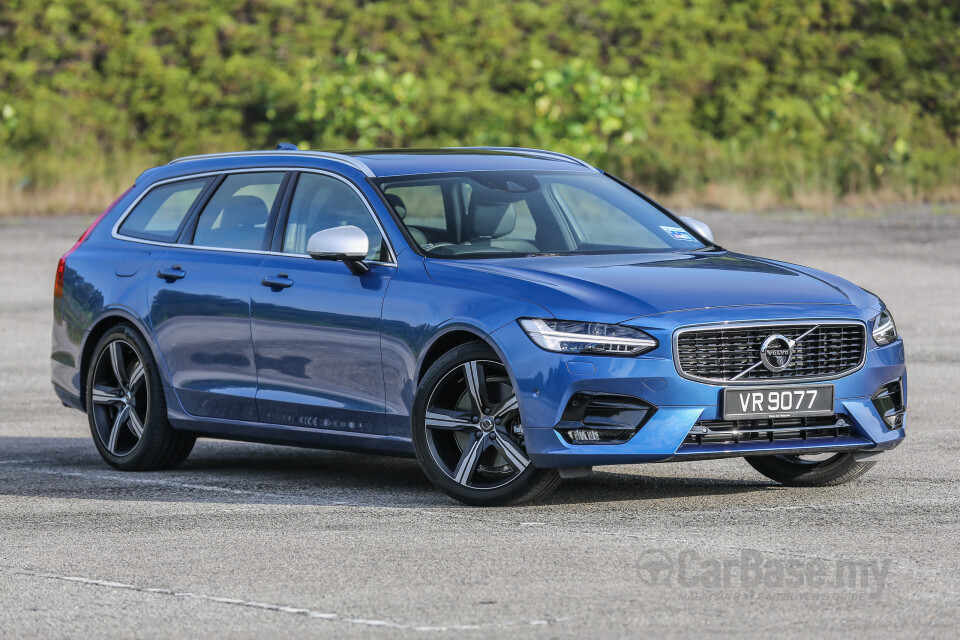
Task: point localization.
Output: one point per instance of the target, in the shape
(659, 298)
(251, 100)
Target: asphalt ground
(257, 541)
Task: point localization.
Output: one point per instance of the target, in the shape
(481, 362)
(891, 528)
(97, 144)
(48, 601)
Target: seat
(242, 224)
(489, 222)
(398, 205)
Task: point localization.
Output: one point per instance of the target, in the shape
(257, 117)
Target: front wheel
(822, 470)
(467, 431)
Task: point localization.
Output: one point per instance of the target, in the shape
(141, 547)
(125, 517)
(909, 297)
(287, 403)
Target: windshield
(487, 214)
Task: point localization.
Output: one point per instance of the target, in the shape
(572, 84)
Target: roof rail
(353, 162)
(540, 153)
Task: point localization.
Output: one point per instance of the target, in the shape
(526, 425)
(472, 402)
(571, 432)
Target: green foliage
(837, 97)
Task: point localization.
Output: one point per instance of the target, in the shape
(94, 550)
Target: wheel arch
(109, 319)
(451, 337)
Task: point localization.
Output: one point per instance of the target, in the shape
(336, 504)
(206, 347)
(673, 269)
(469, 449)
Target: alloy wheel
(473, 426)
(119, 397)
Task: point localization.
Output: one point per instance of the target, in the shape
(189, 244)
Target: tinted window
(160, 213)
(321, 202)
(236, 216)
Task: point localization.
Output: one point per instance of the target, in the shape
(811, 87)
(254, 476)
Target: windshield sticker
(678, 234)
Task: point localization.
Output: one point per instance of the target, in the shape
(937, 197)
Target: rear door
(200, 297)
(316, 325)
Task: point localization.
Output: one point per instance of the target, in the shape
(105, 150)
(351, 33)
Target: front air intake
(888, 400)
(603, 419)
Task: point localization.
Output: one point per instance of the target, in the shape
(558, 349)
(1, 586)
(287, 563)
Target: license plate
(744, 403)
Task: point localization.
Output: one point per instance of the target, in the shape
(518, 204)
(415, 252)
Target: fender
(451, 326)
(121, 311)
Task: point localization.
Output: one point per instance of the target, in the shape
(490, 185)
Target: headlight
(884, 330)
(568, 336)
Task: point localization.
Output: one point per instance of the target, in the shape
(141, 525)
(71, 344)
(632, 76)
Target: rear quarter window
(160, 214)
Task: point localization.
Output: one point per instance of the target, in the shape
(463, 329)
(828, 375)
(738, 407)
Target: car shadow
(241, 473)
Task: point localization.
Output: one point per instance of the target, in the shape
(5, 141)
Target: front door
(316, 325)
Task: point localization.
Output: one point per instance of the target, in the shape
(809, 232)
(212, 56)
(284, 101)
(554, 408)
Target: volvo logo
(776, 352)
(486, 425)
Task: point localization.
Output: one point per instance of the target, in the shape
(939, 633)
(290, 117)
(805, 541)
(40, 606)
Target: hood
(621, 287)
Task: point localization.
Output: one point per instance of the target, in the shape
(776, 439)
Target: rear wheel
(467, 431)
(126, 407)
(820, 470)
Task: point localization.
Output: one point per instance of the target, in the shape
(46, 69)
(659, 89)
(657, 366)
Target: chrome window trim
(115, 232)
(766, 323)
(323, 155)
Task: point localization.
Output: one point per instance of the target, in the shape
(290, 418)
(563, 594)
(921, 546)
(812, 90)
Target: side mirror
(347, 244)
(700, 227)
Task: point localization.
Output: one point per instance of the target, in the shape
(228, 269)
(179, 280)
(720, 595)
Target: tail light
(58, 283)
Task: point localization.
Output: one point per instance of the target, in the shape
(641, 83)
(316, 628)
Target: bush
(730, 103)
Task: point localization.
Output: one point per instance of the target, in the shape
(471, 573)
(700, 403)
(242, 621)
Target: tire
(471, 452)
(126, 407)
(798, 471)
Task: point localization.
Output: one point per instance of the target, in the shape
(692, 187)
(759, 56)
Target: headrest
(397, 203)
(246, 211)
(493, 220)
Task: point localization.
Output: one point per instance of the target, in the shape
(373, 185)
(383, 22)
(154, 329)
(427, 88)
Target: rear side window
(160, 214)
(237, 214)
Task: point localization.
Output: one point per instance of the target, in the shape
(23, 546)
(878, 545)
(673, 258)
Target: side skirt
(310, 437)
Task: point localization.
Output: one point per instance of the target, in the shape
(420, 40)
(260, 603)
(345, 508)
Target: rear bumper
(68, 399)
(546, 382)
(67, 341)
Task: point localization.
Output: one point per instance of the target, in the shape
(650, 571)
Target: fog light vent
(888, 401)
(597, 436)
(603, 419)
(584, 434)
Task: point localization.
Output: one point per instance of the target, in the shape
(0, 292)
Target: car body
(253, 340)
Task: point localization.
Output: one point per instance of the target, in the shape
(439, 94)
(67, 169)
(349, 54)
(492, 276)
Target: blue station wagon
(510, 317)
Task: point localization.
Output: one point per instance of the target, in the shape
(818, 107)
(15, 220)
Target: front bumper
(546, 381)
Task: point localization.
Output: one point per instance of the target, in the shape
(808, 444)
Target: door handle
(172, 273)
(279, 281)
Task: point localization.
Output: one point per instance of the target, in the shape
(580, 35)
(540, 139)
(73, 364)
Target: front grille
(828, 350)
(769, 429)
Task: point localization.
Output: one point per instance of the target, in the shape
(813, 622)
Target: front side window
(160, 214)
(321, 202)
(519, 213)
(236, 216)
